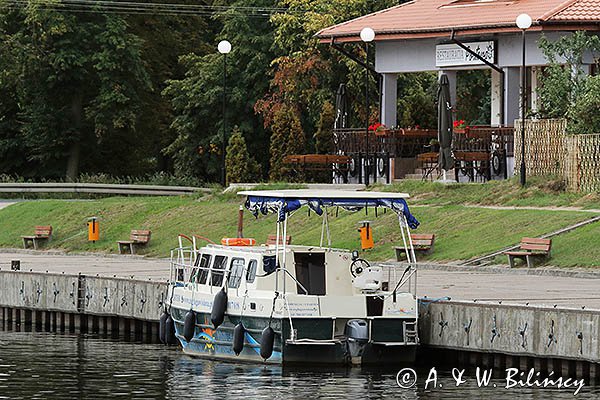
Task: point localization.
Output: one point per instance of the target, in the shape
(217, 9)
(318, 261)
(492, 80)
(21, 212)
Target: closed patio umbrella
(445, 161)
(341, 108)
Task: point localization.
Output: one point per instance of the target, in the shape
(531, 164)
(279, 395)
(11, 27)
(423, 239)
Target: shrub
(240, 167)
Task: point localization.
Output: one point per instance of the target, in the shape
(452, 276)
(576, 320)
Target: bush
(584, 115)
(240, 167)
(287, 138)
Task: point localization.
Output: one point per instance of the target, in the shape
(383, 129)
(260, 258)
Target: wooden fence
(582, 163)
(549, 150)
(544, 146)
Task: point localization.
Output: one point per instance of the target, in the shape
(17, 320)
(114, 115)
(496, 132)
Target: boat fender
(219, 307)
(189, 325)
(266, 343)
(239, 333)
(162, 326)
(170, 337)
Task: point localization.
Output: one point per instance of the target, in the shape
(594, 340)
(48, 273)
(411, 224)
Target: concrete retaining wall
(82, 294)
(513, 330)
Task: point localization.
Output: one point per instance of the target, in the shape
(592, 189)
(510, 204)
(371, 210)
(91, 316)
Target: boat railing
(182, 263)
(293, 278)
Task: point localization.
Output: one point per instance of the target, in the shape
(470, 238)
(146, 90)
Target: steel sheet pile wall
(142, 300)
(513, 330)
(50, 292)
(582, 163)
(123, 297)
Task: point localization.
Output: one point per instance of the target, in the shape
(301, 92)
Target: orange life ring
(238, 242)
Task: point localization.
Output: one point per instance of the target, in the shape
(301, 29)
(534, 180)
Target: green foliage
(79, 81)
(240, 167)
(416, 100)
(197, 97)
(324, 135)
(287, 138)
(566, 89)
(473, 96)
(584, 115)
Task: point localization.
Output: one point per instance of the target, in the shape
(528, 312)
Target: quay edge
(529, 336)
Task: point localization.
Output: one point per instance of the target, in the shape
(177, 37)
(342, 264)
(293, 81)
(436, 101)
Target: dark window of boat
(310, 273)
(269, 264)
(251, 272)
(204, 268)
(236, 272)
(217, 273)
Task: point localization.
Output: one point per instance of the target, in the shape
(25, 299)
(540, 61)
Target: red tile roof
(430, 18)
(581, 10)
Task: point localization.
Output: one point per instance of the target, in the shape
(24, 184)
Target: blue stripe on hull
(218, 343)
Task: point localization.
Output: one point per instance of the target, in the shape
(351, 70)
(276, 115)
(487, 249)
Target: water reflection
(45, 365)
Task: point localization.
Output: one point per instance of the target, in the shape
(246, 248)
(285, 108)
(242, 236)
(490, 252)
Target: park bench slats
(272, 240)
(422, 243)
(529, 249)
(43, 233)
(137, 238)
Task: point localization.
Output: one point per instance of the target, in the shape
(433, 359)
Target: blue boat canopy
(283, 202)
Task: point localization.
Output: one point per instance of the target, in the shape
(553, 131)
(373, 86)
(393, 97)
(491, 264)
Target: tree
(324, 134)
(239, 165)
(80, 78)
(197, 97)
(287, 139)
(564, 81)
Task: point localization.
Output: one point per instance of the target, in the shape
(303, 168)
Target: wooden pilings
(19, 319)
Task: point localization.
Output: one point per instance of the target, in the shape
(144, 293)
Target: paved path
(508, 286)
(6, 203)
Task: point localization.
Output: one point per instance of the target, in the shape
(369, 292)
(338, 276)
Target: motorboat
(287, 304)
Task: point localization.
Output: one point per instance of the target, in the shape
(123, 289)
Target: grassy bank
(462, 232)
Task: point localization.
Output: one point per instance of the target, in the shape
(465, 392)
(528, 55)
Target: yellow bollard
(366, 235)
(93, 229)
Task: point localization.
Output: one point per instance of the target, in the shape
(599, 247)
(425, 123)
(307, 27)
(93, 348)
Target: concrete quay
(490, 316)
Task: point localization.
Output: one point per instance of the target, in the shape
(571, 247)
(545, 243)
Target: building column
(496, 100)
(535, 83)
(512, 95)
(389, 100)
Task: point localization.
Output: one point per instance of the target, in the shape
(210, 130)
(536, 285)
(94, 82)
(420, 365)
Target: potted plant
(460, 126)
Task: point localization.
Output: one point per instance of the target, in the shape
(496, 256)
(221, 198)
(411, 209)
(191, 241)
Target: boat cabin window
(251, 272)
(236, 272)
(269, 264)
(217, 273)
(204, 268)
(310, 273)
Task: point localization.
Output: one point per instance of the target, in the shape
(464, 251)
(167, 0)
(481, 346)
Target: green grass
(462, 232)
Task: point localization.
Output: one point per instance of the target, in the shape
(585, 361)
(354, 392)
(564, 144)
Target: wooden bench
(138, 238)
(422, 243)
(272, 240)
(42, 234)
(529, 249)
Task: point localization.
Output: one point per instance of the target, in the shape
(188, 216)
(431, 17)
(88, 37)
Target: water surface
(37, 365)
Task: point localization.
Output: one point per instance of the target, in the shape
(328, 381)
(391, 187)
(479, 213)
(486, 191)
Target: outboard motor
(357, 334)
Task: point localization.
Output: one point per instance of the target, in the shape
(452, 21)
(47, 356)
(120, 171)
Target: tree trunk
(75, 148)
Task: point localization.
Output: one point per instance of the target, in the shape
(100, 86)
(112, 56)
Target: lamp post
(367, 35)
(523, 22)
(224, 48)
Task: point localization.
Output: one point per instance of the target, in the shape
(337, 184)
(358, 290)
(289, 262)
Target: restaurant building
(452, 35)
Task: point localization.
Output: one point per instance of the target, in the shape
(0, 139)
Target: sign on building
(451, 55)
